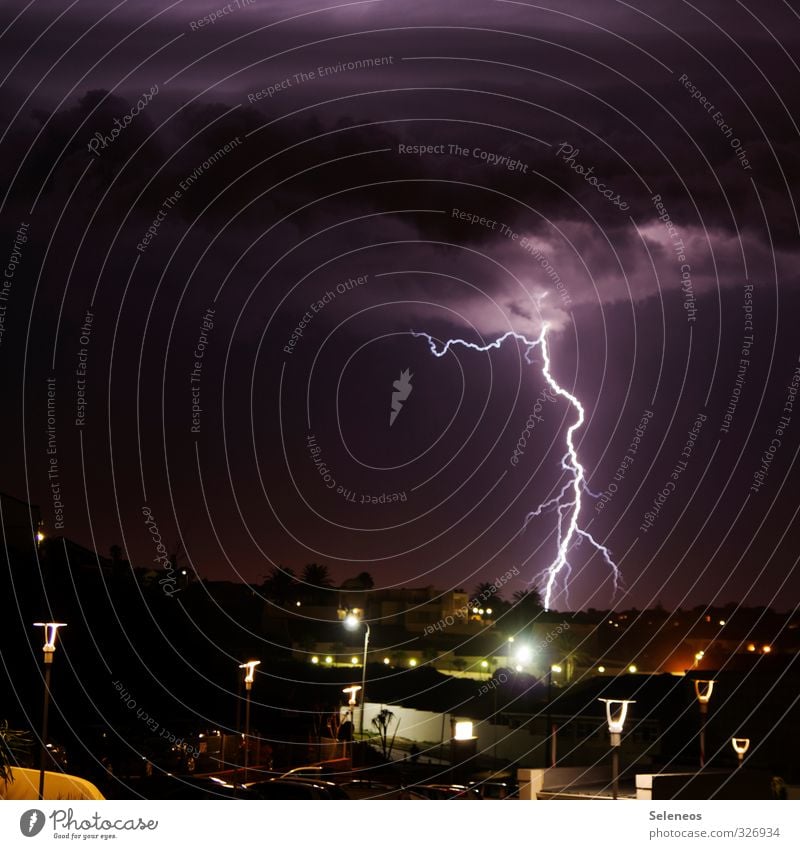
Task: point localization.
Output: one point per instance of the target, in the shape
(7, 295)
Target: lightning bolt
(567, 503)
(33, 819)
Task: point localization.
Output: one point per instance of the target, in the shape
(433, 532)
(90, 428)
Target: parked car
(295, 788)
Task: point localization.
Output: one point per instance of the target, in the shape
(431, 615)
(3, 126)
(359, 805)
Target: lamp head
(703, 690)
(250, 666)
(351, 621)
(50, 634)
(740, 745)
(616, 716)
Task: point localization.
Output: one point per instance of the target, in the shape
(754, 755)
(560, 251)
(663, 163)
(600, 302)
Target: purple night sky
(306, 185)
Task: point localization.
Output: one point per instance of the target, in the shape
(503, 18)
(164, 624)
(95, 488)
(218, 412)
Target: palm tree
(526, 606)
(382, 722)
(14, 746)
(280, 585)
(317, 580)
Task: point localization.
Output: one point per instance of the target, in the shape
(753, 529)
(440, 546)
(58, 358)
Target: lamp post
(616, 720)
(49, 649)
(740, 746)
(352, 621)
(249, 675)
(703, 688)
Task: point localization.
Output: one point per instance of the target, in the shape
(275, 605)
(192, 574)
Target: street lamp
(703, 688)
(49, 649)
(740, 746)
(249, 675)
(352, 622)
(616, 720)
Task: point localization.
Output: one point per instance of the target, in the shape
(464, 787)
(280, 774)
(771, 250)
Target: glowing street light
(703, 688)
(352, 621)
(740, 746)
(463, 730)
(249, 676)
(524, 655)
(616, 714)
(48, 649)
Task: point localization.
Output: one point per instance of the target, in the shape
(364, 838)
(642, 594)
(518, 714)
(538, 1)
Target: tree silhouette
(280, 585)
(318, 579)
(382, 723)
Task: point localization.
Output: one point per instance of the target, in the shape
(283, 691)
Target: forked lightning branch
(567, 504)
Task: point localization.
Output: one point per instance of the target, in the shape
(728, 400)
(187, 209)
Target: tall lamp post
(703, 688)
(352, 621)
(615, 716)
(740, 746)
(49, 649)
(249, 675)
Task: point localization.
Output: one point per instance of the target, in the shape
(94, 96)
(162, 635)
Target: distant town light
(766, 649)
(351, 621)
(475, 610)
(386, 661)
(39, 536)
(297, 604)
(518, 668)
(722, 622)
(484, 664)
(556, 668)
(412, 662)
(751, 647)
(633, 669)
(601, 669)
(328, 659)
(315, 660)
(488, 611)
(511, 639)
(354, 660)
